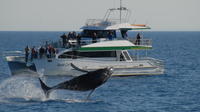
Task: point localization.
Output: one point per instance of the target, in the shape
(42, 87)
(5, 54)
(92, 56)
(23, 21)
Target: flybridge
(114, 19)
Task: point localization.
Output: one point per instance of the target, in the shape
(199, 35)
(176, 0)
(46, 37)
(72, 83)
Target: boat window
(100, 33)
(97, 54)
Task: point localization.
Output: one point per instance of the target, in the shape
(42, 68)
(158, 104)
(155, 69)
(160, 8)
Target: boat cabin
(118, 55)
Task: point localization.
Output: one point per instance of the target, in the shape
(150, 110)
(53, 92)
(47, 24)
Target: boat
(102, 43)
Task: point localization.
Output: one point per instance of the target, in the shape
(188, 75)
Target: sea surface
(177, 90)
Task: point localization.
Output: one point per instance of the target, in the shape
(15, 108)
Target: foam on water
(22, 89)
(41, 73)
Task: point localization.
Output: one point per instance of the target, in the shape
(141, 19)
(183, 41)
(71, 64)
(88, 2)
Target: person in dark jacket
(64, 40)
(138, 39)
(41, 51)
(26, 53)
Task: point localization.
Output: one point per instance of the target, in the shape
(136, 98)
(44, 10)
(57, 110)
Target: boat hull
(17, 67)
(56, 67)
(62, 67)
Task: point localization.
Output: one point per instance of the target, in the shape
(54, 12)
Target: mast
(120, 11)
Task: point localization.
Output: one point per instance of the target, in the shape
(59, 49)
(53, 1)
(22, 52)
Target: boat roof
(109, 25)
(113, 45)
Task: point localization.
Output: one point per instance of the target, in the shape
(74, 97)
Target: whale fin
(77, 68)
(90, 94)
(45, 88)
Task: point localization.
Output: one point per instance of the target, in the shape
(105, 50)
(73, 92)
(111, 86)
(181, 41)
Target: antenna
(120, 9)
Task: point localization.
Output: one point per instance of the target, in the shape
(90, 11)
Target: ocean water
(177, 90)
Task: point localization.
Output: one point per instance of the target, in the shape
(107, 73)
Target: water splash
(41, 72)
(21, 87)
(26, 89)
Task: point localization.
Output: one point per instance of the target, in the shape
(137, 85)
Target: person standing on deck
(94, 38)
(26, 53)
(64, 40)
(138, 39)
(41, 51)
(74, 35)
(110, 35)
(33, 53)
(78, 39)
(124, 34)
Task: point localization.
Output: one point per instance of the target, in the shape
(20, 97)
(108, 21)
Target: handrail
(142, 42)
(74, 42)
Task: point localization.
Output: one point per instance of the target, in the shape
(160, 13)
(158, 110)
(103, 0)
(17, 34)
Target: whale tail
(45, 88)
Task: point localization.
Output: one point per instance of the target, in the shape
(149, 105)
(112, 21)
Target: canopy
(121, 26)
(113, 45)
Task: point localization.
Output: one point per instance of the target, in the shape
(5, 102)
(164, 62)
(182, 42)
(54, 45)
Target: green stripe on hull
(112, 48)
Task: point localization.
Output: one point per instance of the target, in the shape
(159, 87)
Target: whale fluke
(45, 88)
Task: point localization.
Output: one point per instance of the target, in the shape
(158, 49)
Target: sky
(70, 15)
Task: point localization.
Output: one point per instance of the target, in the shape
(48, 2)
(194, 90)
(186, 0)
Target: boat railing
(141, 42)
(76, 43)
(13, 53)
(154, 61)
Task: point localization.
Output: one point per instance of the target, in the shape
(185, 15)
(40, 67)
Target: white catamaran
(102, 43)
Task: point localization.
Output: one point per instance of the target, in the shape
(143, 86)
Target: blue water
(177, 90)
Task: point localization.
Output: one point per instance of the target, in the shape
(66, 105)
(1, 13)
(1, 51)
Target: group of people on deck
(33, 53)
(71, 36)
(49, 51)
(94, 35)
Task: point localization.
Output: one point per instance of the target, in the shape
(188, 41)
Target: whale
(88, 81)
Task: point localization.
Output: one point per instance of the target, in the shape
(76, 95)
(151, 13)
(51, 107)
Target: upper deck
(114, 19)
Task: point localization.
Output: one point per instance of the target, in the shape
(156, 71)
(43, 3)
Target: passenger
(53, 52)
(49, 51)
(41, 51)
(48, 54)
(110, 36)
(46, 50)
(33, 53)
(94, 38)
(26, 53)
(74, 35)
(36, 54)
(124, 34)
(64, 40)
(138, 39)
(79, 39)
(70, 35)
